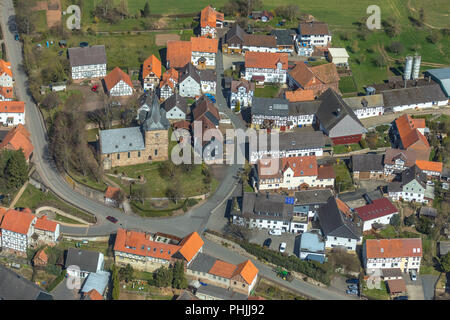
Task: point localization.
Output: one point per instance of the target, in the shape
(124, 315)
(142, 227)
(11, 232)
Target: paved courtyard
(414, 288)
(61, 292)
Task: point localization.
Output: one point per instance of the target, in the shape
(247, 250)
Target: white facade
(121, 89)
(18, 241)
(243, 96)
(411, 191)
(296, 225)
(175, 114)
(12, 118)
(368, 112)
(349, 244)
(89, 71)
(76, 272)
(399, 165)
(285, 153)
(165, 92)
(259, 49)
(321, 40)
(208, 87)
(210, 58)
(270, 75)
(367, 225)
(406, 264)
(48, 236)
(289, 181)
(6, 80)
(430, 104)
(189, 88)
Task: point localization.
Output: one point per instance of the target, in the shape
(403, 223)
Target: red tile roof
(41, 255)
(94, 295)
(17, 138)
(178, 53)
(204, 44)
(151, 65)
(114, 78)
(265, 60)
(169, 77)
(343, 207)
(407, 129)
(396, 286)
(5, 67)
(190, 246)
(307, 76)
(12, 106)
(429, 165)
(299, 95)
(247, 271)
(223, 269)
(302, 166)
(112, 193)
(209, 17)
(18, 222)
(7, 92)
(325, 172)
(44, 224)
(378, 208)
(393, 248)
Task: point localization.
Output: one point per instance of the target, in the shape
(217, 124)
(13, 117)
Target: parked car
(400, 298)
(352, 280)
(275, 232)
(16, 37)
(112, 219)
(355, 292)
(283, 247)
(94, 88)
(413, 275)
(353, 287)
(267, 242)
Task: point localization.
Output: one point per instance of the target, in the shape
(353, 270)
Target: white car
(275, 232)
(283, 247)
(413, 275)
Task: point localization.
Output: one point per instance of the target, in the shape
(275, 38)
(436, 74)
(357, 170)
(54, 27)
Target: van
(275, 232)
(413, 275)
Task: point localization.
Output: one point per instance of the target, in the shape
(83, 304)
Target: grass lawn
(269, 91)
(347, 85)
(270, 291)
(91, 135)
(34, 198)
(88, 181)
(343, 177)
(346, 148)
(376, 294)
(99, 246)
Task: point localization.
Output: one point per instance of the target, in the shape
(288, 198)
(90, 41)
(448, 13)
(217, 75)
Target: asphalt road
(194, 220)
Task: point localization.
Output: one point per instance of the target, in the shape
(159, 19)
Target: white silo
(408, 68)
(416, 67)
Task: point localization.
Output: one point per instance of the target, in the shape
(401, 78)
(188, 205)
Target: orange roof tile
(199, 44)
(407, 129)
(429, 165)
(302, 166)
(12, 106)
(265, 60)
(190, 245)
(16, 139)
(41, 255)
(94, 295)
(222, 269)
(7, 92)
(393, 248)
(114, 78)
(140, 243)
(151, 65)
(44, 224)
(325, 172)
(247, 270)
(18, 222)
(178, 53)
(327, 73)
(209, 17)
(299, 95)
(5, 67)
(343, 207)
(302, 74)
(112, 193)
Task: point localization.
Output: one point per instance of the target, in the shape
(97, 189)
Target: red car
(112, 219)
(94, 88)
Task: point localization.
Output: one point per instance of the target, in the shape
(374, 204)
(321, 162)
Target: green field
(268, 91)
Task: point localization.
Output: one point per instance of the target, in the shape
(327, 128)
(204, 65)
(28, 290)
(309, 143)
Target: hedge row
(57, 280)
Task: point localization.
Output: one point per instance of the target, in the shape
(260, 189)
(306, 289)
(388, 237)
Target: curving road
(195, 219)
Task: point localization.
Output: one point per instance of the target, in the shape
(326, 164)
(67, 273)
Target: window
(129, 154)
(139, 154)
(118, 156)
(156, 152)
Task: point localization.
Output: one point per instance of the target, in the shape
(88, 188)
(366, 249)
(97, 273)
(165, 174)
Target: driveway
(414, 288)
(260, 235)
(428, 284)
(61, 292)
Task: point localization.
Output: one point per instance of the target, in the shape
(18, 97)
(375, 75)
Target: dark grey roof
(14, 287)
(334, 224)
(303, 107)
(394, 186)
(189, 70)
(235, 35)
(121, 140)
(391, 272)
(313, 28)
(266, 206)
(413, 95)
(284, 37)
(298, 140)
(220, 293)
(414, 173)
(87, 55)
(333, 110)
(202, 263)
(427, 211)
(187, 295)
(156, 117)
(86, 260)
(367, 162)
(207, 75)
(311, 197)
(175, 100)
(270, 107)
(444, 247)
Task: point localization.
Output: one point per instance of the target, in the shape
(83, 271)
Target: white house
(151, 73)
(80, 263)
(118, 83)
(47, 231)
(398, 160)
(378, 211)
(210, 20)
(242, 91)
(433, 169)
(366, 106)
(313, 34)
(266, 67)
(176, 107)
(404, 254)
(203, 52)
(338, 56)
(168, 84)
(259, 43)
(16, 230)
(6, 76)
(12, 113)
(87, 62)
(414, 98)
(189, 83)
(412, 187)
